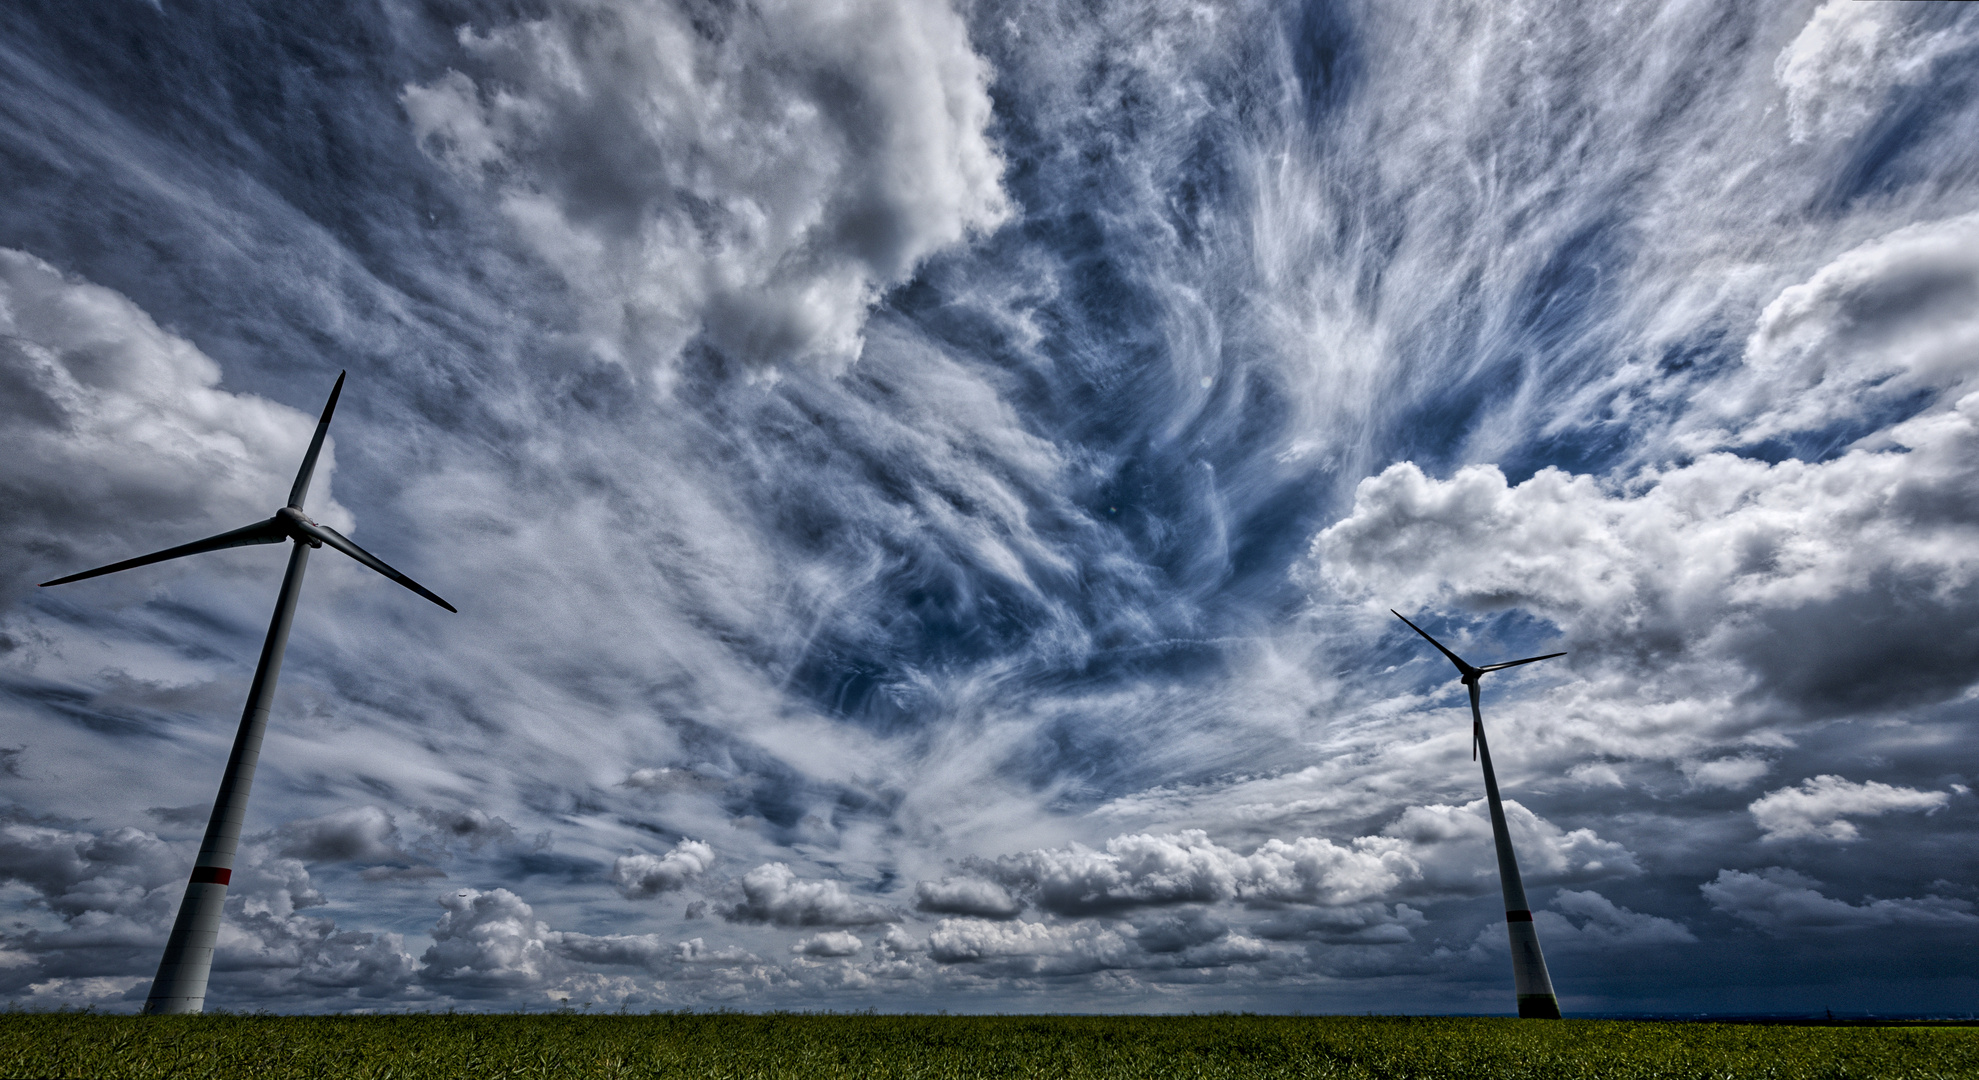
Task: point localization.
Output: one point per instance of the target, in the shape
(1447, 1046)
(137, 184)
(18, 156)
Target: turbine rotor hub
(294, 522)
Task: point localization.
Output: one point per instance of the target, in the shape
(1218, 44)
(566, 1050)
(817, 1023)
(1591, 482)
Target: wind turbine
(1535, 987)
(180, 986)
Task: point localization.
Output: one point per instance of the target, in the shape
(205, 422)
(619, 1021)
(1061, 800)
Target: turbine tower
(180, 986)
(1535, 987)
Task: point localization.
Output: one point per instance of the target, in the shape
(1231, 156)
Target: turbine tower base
(1538, 1007)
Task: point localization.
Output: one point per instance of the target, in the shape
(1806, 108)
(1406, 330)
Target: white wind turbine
(1535, 987)
(180, 986)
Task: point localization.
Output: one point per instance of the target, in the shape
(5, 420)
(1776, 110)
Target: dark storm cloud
(953, 461)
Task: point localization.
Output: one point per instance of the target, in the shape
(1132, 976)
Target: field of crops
(799, 1045)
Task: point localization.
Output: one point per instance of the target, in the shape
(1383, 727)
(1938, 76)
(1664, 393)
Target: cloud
(698, 951)
(1724, 559)
(1605, 924)
(1730, 773)
(1837, 70)
(1189, 867)
(122, 877)
(471, 828)
(372, 965)
(1815, 809)
(486, 942)
(1881, 322)
(624, 950)
(87, 991)
(591, 988)
(669, 779)
(640, 876)
(773, 893)
(489, 943)
(1022, 949)
(1453, 848)
(751, 176)
(358, 834)
(966, 896)
(1352, 924)
(113, 894)
(1718, 579)
(1030, 947)
(1427, 850)
(401, 873)
(371, 834)
(116, 435)
(182, 816)
(1781, 901)
(829, 943)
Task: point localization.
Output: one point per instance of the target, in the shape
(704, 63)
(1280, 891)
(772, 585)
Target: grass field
(800, 1045)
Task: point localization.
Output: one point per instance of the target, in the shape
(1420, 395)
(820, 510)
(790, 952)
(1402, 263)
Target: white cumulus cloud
(116, 434)
(754, 175)
(1188, 867)
(1837, 70)
(1894, 316)
(487, 941)
(773, 893)
(1026, 947)
(1818, 808)
(829, 943)
(966, 896)
(643, 875)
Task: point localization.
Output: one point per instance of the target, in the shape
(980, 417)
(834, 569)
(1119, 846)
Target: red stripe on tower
(220, 875)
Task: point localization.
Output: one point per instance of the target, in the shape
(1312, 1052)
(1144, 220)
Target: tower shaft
(180, 986)
(1529, 978)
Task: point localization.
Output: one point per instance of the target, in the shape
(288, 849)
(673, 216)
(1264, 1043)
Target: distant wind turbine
(1535, 987)
(180, 986)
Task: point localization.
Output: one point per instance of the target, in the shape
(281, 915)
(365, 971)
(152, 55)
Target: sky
(924, 484)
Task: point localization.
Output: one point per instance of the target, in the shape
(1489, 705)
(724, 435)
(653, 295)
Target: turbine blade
(1477, 718)
(342, 543)
(1516, 663)
(1454, 658)
(261, 532)
(301, 487)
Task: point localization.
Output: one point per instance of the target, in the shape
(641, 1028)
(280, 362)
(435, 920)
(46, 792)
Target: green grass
(787, 1045)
